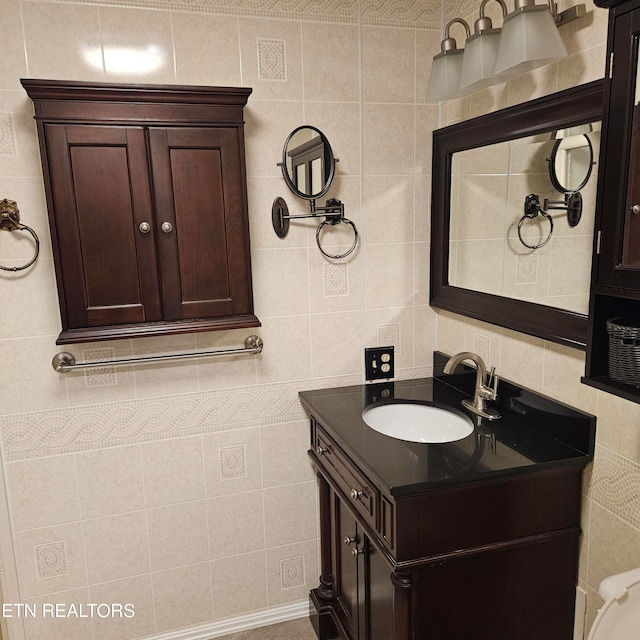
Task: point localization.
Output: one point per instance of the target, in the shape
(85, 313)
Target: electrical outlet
(378, 363)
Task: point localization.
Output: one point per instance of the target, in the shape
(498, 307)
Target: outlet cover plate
(378, 363)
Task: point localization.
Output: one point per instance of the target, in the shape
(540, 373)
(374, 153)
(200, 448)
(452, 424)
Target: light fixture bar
(570, 14)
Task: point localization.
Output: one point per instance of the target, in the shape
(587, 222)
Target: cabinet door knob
(635, 208)
(144, 227)
(355, 552)
(320, 451)
(349, 540)
(355, 494)
(166, 227)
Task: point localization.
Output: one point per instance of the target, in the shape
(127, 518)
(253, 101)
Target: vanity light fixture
(446, 67)
(529, 38)
(481, 52)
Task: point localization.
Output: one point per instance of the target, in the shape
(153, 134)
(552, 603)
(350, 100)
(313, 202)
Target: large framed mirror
(489, 260)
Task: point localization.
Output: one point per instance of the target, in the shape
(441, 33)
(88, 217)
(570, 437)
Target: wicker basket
(624, 349)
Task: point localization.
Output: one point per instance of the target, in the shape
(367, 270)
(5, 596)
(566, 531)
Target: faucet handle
(492, 383)
(489, 390)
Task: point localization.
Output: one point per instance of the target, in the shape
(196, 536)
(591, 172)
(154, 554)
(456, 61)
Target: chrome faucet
(484, 389)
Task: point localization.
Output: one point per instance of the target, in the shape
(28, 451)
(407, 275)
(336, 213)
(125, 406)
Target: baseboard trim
(237, 624)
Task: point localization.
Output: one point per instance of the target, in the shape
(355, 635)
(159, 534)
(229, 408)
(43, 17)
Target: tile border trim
(60, 431)
(414, 14)
(614, 484)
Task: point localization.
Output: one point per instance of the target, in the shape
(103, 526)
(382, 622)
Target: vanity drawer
(361, 493)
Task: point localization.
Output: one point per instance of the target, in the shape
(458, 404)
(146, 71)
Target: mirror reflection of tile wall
(488, 189)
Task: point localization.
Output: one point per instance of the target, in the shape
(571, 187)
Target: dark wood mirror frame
(560, 110)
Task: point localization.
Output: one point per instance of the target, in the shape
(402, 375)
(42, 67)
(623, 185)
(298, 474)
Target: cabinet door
(349, 596)
(364, 587)
(619, 183)
(198, 177)
(379, 608)
(100, 195)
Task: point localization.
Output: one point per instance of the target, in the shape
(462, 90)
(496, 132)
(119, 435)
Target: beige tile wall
(105, 469)
(184, 488)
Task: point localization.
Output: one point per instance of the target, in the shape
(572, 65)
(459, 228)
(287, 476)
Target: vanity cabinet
(491, 561)
(146, 192)
(443, 542)
(615, 287)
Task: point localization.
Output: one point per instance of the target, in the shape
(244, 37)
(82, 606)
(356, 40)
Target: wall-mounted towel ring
(10, 221)
(531, 209)
(333, 213)
(334, 221)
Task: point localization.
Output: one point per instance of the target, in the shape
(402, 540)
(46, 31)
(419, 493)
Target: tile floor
(300, 629)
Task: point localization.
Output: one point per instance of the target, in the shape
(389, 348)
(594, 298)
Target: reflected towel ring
(333, 221)
(10, 221)
(531, 210)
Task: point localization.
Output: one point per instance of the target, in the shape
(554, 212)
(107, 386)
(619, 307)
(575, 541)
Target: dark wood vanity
(470, 540)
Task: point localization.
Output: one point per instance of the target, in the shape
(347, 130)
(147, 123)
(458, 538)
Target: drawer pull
(320, 451)
(349, 541)
(356, 495)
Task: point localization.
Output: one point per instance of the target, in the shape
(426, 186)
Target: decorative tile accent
(482, 346)
(272, 59)
(615, 485)
(100, 376)
(336, 279)
(233, 462)
(49, 433)
(459, 8)
(527, 268)
(96, 426)
(292, 572)
(51, 559)
(415, 14)
(7, 135)
(402, 13)
(345, 11)
(389, 335)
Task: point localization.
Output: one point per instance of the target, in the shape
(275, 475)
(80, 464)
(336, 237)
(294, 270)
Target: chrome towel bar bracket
(64, 362)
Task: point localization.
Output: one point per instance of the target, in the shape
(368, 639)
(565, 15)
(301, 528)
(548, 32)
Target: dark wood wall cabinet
(146, 192)
(471, 540)
(615, 290)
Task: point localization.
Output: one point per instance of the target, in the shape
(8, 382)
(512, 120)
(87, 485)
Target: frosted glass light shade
(445, 76)
(481, 52)
(529, 39)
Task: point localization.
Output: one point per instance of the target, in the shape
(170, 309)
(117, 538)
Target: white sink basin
(418, 422)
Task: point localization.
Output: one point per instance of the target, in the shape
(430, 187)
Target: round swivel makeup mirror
(571, 163)
(308, 165)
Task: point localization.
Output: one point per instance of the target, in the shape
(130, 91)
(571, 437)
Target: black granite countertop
(534, 433)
